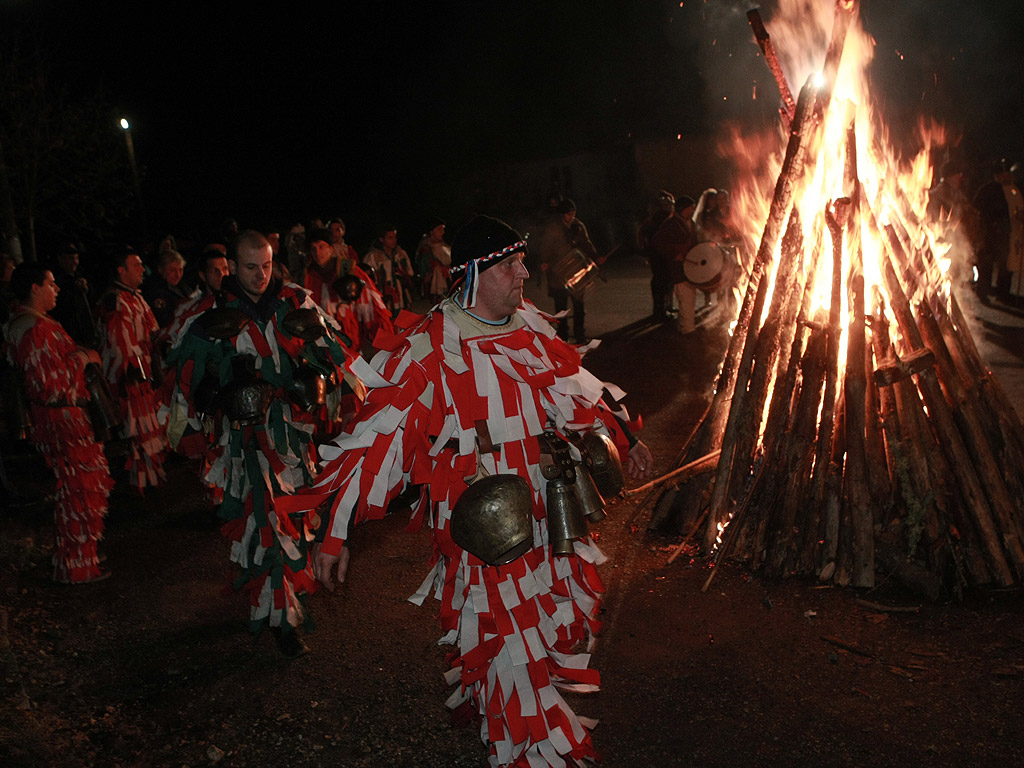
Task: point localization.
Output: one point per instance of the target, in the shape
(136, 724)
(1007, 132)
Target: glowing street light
(127, 128)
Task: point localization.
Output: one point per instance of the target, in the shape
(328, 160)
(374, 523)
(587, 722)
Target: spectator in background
(1000, 238)
(661, 284)
(391, 268)
(673, 241)
(562, 236)
(433, 262)
(74, 305)
(127, 330)
(164, 291)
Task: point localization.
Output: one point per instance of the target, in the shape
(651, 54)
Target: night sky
(375, 109)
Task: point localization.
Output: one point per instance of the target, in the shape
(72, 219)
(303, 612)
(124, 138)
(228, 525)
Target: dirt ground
(154, 667)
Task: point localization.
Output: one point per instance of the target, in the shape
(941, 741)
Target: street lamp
(127, 128)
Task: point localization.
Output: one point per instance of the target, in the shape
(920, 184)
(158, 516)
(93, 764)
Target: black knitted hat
(486, 239)
(479, 245)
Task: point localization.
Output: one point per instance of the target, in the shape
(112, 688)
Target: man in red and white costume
(462, 393)
(55, 383)
(331, 260)
(127, 329)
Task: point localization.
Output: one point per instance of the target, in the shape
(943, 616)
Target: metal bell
(565, 516)
(304, 323)
(493, 519)
(102, 408)
(604, 463)
(590, 497)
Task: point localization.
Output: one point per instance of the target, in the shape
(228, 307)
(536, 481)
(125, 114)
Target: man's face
(500, 290)
(567, 218)
(132, 272)
(172, 272)
(321, 252)
(437, 233)
(253, 269)
(68, 262)
(44, 297)
(390, 239)
(213, 275)
(337, 231)
(275, 241)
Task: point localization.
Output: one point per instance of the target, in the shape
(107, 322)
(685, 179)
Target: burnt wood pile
(899, 456)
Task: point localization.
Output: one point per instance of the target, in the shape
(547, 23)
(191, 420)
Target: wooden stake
(771, 58)
(792, 168)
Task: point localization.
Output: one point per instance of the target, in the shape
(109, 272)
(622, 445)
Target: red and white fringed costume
(522, 630)
(55, 385)
(127, 327)
(359, 320)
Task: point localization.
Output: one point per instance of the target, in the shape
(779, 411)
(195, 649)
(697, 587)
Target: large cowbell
(493, 519)
(565, 516)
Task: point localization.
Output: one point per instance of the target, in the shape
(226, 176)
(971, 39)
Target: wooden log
(791, 346)
(771, 58)
(796, 466)
(821, 537)
(935, 485)
(908, 466)
(949, 436)
(703, 464)
(879, 481)
(978, 449)
(893, 369)
(993, 395)
(778, 433)
(855, 487)
(680, 459)
(836, 219)
(792, 168)
(766, 350)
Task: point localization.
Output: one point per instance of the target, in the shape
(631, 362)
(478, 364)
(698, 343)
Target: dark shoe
(290, 643)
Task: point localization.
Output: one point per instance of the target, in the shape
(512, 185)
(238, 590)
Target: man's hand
(323, 564)
(640, 462)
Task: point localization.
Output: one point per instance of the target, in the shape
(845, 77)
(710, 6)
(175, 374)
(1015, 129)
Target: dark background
(380, 110)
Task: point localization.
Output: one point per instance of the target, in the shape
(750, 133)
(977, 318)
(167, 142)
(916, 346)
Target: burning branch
(788, 109)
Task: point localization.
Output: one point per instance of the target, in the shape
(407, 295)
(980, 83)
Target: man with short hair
(74, 306)
(163, 291)
(482, 391)
(127, 331)
(56, 382)
(392, 268)
(249, 366)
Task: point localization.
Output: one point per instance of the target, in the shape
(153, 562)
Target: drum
(703, 265)
(577, 273)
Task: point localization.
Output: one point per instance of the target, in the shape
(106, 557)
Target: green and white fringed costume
(253, 461)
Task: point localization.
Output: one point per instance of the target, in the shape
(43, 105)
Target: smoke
(955, 61)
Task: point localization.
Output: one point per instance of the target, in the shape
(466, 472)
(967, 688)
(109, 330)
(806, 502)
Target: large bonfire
(854, 427)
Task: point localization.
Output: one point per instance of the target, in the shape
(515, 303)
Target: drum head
(703, 265)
